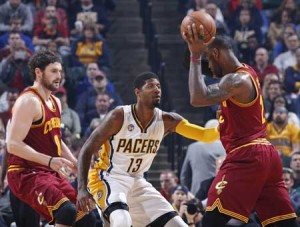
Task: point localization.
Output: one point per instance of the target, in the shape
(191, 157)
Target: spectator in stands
(262, 65)
(288, 58)
(288, 179)
(103, 103)
(254, 14)
(16, 7)
(275, 33)
(199, 162)
(168, 180)
(12, 95)
(58, 12)
(281, 45)
(179, 203)
(200, 5)
(14, 71)
(292, 76)
(52, 31)
(87, 12)
(283, 135)
(275, 88)
(15, 24)
(90, 48)
(211, 8)
(86, 102)
(242, 31)
(267, 80)
(292, 6)
(202, 192)
(87, 80)
(69, 118)
(295, 166)
(281, 101)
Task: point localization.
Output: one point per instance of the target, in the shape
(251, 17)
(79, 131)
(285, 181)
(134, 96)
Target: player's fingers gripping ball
(199, 18)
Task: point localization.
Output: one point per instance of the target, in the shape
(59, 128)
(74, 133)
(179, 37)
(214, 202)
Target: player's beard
(50, 86)
(156, 103)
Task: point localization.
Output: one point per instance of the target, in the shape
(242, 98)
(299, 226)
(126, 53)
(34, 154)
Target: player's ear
(216, 53)
(136, 91)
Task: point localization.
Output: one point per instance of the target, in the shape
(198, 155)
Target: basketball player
(251, 175)
(38, 157)
(131, 136)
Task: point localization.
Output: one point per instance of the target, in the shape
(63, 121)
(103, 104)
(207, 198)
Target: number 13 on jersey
(135, 164)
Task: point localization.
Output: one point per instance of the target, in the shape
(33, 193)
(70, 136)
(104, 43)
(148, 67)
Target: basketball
(199, 17)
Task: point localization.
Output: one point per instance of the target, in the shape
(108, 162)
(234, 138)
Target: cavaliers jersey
(131, 151)
(44, 135)
(240, 123)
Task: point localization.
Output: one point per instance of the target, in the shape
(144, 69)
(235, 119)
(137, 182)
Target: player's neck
(44, 93)
(143, 113)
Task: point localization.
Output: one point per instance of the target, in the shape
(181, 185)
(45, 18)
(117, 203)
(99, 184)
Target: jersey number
(57, 142)
(261, 102)
(135, 165)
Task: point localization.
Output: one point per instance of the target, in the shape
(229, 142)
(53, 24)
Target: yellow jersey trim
(218, 204)
(278, 218)
(262, 141)
(254, 100)
(55, 207)
(14, 168)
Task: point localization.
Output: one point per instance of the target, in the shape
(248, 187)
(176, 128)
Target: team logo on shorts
(221, 185)
(41, 198)
(130, 127)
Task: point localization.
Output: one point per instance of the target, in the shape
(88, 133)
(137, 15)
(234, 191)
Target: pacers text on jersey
(138, 146)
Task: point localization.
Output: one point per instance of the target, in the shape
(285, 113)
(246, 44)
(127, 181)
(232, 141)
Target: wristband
(191, 223)
(195, 59)
(49, 163)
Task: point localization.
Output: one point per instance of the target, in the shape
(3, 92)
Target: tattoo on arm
(226, 87)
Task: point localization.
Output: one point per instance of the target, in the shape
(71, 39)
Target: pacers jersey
(44, 135)
(132, 150)
(241, 124)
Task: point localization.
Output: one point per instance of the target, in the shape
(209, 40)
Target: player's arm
(27, 109)
(67, 154)
(111, 125)
(175, 123)
(232, 85)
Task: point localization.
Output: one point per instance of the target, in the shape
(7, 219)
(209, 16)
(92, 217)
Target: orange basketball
(200, 17)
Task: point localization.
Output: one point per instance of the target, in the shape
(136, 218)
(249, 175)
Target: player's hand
(195, 41)
(85, 201)
(62, 166)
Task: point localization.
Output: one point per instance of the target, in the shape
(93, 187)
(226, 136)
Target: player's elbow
(195, 102)
(11, 147)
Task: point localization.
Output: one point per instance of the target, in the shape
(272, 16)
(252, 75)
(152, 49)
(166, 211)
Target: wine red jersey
(44, 135)
(241, 124)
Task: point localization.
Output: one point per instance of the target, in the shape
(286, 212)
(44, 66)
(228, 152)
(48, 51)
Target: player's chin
(156, 103)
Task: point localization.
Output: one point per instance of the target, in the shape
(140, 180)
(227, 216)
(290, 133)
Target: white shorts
(145, 203)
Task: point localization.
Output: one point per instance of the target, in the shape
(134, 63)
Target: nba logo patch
(99, 194)
(130, 127)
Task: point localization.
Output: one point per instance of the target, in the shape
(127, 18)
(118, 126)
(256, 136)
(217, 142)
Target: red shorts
(250, 179)
(43, 190)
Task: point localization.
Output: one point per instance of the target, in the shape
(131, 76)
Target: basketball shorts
(145, 203)
(44, 191)
(250, 179)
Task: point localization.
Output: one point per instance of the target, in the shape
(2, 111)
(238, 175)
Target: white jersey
(132, 150)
